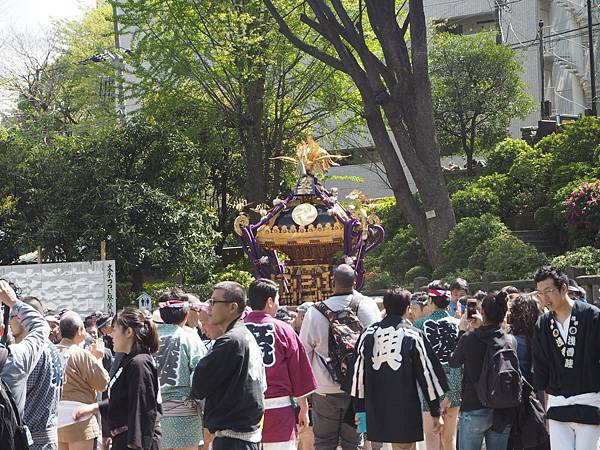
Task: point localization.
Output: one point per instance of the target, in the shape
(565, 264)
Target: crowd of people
(446, 368)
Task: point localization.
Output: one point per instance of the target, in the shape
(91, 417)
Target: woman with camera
(483, 347)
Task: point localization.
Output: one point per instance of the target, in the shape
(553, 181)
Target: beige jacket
(84, 377)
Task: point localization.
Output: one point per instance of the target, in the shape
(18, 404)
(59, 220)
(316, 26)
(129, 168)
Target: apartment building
(566, 50)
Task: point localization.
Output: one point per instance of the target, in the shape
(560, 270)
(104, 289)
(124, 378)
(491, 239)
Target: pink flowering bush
(583, 207)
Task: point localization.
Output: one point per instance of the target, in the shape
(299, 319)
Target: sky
(33, 14)
(33, 17)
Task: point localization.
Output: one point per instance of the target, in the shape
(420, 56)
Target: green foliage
(500, 159)
(140, 187)
(232, 273)
(544, 218)
(474, 201)
(576, 143)
(565, 173)
(502, 187)
(588, 257)
(403, 251)
(458, 184)
(390, 216)
(470, 275)
(55, 91)
(376, 281)
(466, 236)
(476, 90)
(230, 58)
(508, 256)
(414, 272)
(530, 177)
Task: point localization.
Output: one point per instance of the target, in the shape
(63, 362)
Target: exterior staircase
(539, 239)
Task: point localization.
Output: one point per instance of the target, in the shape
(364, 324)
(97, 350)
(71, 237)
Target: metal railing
(569, 52)
(562, 104)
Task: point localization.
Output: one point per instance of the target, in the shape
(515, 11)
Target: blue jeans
(476, 425)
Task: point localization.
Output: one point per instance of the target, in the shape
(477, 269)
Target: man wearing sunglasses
(231, 377)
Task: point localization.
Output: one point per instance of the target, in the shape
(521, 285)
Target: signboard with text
(84, 287)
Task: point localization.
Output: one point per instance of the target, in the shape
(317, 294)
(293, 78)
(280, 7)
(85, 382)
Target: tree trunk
(470, 149)
(137, 279)
(257, 181)
(395, 89)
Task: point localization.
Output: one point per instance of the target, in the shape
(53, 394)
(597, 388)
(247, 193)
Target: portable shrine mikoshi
(312, 229)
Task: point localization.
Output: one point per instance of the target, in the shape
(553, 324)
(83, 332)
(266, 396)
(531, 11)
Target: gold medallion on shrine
(304, 214)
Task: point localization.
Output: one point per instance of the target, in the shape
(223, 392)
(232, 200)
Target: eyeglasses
(211, 302)
(546, 292)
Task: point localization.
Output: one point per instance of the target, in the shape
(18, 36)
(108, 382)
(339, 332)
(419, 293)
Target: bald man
(331, 404)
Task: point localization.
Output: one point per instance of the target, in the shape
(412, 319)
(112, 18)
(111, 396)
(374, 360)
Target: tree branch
(310, 49)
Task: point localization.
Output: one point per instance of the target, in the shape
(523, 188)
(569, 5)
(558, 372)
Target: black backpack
(13, 434)
(344, 331)
(529, 429)
(500, 383)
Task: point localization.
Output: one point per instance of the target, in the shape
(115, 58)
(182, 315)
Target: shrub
(508, 256)
(472, 276)
(401, 252)
(474, 201)
(564, 174)
(576, 143)
(466, 236)
(583, 212)
(501, 158)
(390, 216)
(588, 257)
(441, 271)
(414, 272)
(500, 184)
(232, 273)
(459, 184)
(583, 205)
(202, 291)
(378, 281)
(530, 179)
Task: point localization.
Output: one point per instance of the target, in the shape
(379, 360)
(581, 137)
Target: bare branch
(295, 40)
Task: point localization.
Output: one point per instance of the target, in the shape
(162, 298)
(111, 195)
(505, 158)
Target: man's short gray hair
(233, 292)
(70, 323)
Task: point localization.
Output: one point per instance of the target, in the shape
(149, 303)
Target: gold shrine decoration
(311, 158)
(240, 221)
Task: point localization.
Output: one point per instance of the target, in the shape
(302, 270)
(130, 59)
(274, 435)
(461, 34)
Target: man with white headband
(179, 352)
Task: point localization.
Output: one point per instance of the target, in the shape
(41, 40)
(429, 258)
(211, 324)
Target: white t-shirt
(314, 334)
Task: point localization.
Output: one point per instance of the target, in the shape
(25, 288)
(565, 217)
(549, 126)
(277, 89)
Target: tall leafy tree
(230, 58)
(381, 45)
(53, 77)
(139, 186)
(477, 91)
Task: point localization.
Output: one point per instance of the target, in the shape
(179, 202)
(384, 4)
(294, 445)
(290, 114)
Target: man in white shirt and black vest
(566, 363)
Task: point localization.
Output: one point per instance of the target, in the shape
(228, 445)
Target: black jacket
(231, 378)
(133, 402)
(470, 353)
(393, 358)
(549, 371)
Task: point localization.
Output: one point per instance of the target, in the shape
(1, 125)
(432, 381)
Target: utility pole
(592, 64)
(541, 42)
(119, 97)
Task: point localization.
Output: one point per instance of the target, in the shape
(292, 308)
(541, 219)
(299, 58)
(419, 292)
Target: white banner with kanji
(84, 287)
